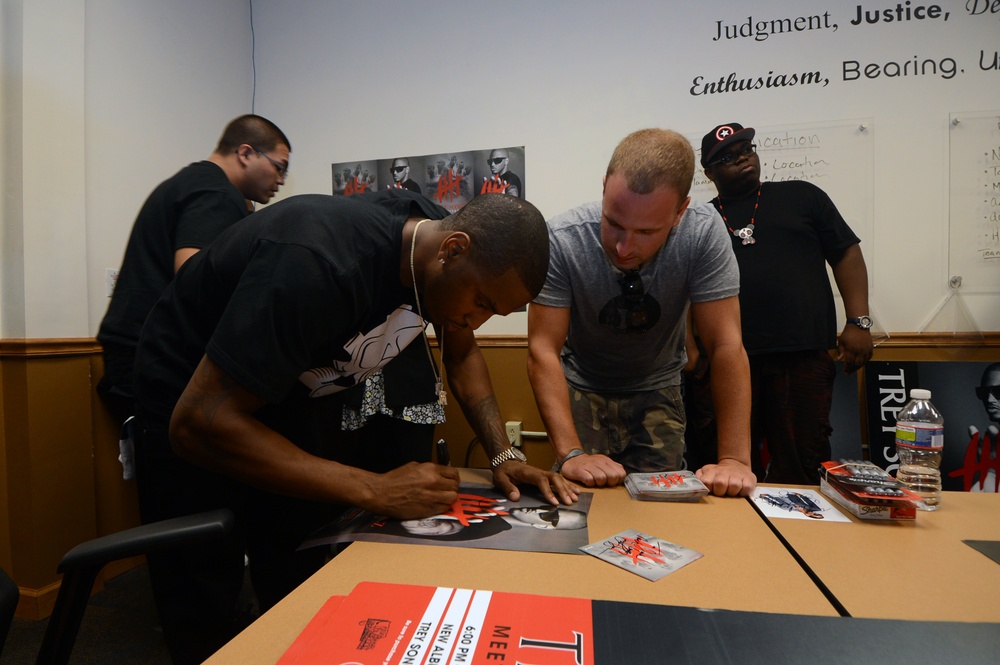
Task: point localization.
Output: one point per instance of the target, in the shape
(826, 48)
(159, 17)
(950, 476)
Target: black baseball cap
(720, 137)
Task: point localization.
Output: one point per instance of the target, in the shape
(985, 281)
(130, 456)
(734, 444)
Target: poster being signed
(481, 518)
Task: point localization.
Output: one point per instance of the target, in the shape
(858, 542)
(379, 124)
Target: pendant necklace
(746, 233)
(438, 384)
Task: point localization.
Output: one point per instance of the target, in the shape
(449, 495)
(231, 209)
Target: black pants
(792, 394)
(197, 589)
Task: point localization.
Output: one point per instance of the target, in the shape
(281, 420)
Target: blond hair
(651, 158)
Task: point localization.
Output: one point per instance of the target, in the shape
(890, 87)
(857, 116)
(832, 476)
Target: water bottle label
(915, 436)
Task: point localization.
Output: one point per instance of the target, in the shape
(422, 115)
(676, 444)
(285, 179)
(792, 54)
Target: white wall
(567, 80)
(162, 79)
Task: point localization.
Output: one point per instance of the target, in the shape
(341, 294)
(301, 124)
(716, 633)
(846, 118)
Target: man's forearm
(552, 397)
(469, 380)
(731, 397)
(851, 275)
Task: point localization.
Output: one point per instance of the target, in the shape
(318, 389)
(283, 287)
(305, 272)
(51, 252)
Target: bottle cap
(920, 393)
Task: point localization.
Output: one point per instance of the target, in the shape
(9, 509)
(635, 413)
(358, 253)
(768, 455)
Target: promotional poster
(450, 179)
(481, 518)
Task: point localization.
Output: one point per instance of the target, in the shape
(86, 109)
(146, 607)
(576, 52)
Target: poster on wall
(968, 396)
(450, 179)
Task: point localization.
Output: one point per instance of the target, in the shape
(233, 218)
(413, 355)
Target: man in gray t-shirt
(606, 334)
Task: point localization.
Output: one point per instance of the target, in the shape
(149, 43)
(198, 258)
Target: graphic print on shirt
(368, 352)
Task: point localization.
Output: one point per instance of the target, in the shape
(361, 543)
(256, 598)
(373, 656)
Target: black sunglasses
(551, 516)
(985, 392)
(731, 157)
(398, 169)
(637, 317)
(496, 160)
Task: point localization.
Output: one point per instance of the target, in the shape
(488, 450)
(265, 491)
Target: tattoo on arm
(484, 416)
(207, 396)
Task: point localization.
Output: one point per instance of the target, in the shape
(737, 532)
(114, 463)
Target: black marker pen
(442, 452)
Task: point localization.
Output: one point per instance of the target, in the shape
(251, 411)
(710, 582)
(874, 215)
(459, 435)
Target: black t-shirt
(513, 180)
(303, 299)
(786, 302)
(188, 210)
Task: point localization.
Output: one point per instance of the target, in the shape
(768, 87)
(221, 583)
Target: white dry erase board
(974, 201)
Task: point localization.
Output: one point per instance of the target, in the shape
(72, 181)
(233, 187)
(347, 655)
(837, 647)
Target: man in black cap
(783, 236)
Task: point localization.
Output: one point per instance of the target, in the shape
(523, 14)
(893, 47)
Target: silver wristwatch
(506, 456)
(863, 322)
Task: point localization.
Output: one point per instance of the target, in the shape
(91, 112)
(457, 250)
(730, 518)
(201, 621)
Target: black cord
(468, 450)
(253, 62)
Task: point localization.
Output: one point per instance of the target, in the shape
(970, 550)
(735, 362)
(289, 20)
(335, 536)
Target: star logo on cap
(723, 132)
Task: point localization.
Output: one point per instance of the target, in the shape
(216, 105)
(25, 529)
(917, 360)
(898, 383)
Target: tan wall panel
(117, 504)
(50, 460)
(507, 364)
(5, 539)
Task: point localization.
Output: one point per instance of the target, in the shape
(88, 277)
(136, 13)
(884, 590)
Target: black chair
(81, 565)
(9, 594)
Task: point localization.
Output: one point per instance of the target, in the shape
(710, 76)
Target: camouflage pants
(643, 432)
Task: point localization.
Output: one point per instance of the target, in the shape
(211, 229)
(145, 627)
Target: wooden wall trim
(78, 346)
(896, 340)
(944, 340)
(71, 346)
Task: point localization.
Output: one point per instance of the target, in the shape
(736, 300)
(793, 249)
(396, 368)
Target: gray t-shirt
(601, 354)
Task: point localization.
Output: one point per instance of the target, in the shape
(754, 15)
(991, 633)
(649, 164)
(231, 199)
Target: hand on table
(594, 470)
(414, 490)
(553, 487)
(728, 478)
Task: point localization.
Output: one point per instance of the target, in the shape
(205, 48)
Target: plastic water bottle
(919, 443)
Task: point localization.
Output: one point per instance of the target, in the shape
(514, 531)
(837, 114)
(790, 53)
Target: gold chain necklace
(438, 384)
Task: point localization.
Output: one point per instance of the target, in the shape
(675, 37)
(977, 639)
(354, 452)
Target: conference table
(750, 563)
(918, 571)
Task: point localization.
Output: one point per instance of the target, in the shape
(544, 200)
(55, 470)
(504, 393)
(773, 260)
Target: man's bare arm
(213, 426)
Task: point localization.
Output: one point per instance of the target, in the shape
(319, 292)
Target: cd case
(642, 554)
(665, 486)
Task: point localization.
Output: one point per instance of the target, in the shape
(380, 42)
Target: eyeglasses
(731, 157)
(282, 170)
(496, 161)
(637, 318)
(985, 392)
(398, 169)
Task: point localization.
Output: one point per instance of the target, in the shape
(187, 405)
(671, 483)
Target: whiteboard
(974, 198)
(837, 157)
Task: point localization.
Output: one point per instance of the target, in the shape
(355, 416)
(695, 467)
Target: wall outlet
(110, 279)
(513, 428)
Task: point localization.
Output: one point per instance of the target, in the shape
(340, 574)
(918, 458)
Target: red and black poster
(391, 624)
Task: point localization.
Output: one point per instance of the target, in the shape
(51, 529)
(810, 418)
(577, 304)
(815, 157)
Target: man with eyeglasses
(182, 215)
(784, 234)
(502, 180)
(400, 171)
(606, 335)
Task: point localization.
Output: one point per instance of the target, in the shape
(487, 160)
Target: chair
(81, 565)
(9, 594)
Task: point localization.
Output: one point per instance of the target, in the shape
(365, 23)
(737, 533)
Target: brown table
(917, 571)
(744, 568)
